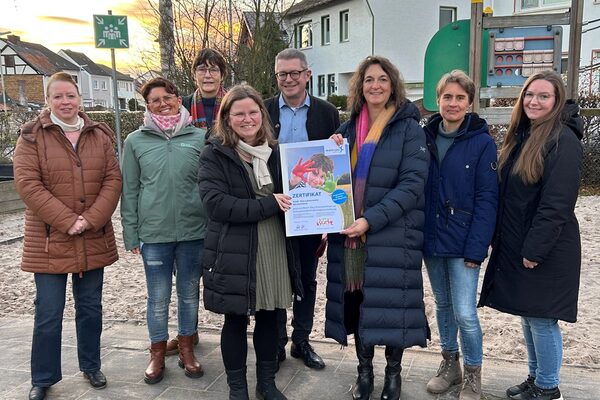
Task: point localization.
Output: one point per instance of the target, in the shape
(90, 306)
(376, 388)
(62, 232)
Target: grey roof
(308, 5)
(86, 63)
(120, 76)
(40, 58)
(250, 18)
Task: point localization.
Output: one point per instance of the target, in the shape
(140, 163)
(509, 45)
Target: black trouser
(304, 310)
(234, 342)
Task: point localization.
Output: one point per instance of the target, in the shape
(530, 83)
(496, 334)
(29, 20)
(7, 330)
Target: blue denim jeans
(454, 287)
(159, 263)
(47, 328)
(544, 350)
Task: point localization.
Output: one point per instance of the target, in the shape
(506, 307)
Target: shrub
(339, 101)
(130, 121)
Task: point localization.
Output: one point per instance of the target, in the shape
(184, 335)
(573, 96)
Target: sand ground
(125, 294)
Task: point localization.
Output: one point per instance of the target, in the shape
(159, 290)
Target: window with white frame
(330, 84)
(103, 84)
(321, 82)
(344, 15)
(325, 30)
(447, 16)
(309, 86)
(303, 35)
(95, 83)
(9, 60)
(529, 4)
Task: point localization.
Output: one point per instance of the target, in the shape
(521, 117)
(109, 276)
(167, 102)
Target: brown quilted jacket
(57, 185)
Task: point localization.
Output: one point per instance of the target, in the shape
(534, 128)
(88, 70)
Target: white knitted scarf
(260, 155)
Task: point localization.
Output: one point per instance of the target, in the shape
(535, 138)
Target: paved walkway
(124, 359)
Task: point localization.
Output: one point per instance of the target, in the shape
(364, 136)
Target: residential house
(589, 62)
(27, 67)
(337, 34)
(94, 82)
(125, 86)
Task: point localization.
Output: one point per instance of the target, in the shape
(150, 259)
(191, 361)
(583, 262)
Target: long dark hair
(356, 99)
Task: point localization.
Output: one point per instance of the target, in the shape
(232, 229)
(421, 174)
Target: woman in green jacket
(163, 219)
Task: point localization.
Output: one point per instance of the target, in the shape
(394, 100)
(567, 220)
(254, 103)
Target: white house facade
(337, 35)
(94, 82)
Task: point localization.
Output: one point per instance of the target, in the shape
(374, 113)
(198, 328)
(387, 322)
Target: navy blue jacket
(537, 221)
(461, 194)
(392, 311)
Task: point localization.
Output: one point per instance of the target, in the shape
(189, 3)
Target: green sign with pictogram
(110, 32)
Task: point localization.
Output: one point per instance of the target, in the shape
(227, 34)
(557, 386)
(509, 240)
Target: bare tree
(166, 39)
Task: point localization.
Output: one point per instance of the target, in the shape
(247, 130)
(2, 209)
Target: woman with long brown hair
(536, 258)
(374, 280)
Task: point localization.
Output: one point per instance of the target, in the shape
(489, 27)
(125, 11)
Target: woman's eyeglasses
(169, 99)
(541, 97)
(211, 70)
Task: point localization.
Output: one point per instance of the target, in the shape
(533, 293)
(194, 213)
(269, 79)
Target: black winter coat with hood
(537, 221)
(230, 245)
(392, 311)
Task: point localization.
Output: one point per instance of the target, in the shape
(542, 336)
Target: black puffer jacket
(538, 222)
(229, 259)
(392, 312)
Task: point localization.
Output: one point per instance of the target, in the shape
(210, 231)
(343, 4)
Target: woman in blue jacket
(374, 280)
(461, 195)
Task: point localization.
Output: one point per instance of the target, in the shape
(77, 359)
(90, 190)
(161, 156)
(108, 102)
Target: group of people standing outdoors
(202, 197)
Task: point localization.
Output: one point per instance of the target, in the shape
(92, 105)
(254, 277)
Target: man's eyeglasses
(211, 70)
(295, 75)
(541, 97)
(168, 99)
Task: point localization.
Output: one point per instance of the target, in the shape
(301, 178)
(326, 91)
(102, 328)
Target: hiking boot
(471, 388)
(521, 387)
(448, 374)
(536, 393)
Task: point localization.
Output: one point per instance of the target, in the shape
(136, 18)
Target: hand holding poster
(320, 185)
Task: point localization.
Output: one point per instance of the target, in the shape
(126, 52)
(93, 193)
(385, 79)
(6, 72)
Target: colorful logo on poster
(339, 196)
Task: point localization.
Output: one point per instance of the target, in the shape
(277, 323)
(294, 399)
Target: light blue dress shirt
(293, 121)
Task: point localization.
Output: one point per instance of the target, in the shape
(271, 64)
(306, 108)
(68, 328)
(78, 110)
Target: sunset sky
(67, 24)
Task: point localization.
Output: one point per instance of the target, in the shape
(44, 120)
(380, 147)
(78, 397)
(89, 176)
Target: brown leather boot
(187, 359)
(173, 344)
(156, 368)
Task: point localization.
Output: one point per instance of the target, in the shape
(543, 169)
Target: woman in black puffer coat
(535, 264)
(249, 267)
(374, 280)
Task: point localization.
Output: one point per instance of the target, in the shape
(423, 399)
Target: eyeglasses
(541, 97)
(241, 116)
(211, 70)
(295, 75)
(169, 99)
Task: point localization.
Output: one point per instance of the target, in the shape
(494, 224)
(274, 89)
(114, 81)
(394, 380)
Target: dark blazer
(537, 221)
(230, 245)
(461, 194)
(392, 311)
(322, 119)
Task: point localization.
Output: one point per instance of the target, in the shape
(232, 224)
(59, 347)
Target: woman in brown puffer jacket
(68, 176)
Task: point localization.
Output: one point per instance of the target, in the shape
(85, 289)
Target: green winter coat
(160, 201)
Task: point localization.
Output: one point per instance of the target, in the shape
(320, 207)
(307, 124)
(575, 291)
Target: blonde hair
(61, 77)
(222, 129)
(530, 163)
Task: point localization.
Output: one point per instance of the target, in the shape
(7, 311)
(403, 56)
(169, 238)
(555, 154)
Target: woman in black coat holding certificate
(249, 265)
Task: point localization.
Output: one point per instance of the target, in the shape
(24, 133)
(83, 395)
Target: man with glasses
(297, 117)
(209, 70)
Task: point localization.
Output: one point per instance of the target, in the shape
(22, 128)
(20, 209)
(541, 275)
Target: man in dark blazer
(297, 117)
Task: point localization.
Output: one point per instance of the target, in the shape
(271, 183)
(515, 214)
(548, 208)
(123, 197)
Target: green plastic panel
(448, 50)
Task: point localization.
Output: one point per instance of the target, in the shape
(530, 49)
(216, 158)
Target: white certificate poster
(317, 176)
